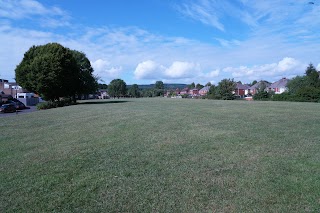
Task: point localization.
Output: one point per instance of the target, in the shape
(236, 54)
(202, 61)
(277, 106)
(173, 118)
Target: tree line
(54, 71)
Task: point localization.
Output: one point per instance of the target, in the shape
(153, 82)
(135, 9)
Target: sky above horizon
(176, 41)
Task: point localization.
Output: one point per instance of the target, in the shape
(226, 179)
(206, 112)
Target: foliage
(192, 86)
(199, 86)
(49, 70)
(225, 89)
(103, 86)
(212, 93)
(253, 82)
(117, 88)
(54, 71)
(262, 95)
(296, 83)
(208, 84)
(159, 85)
(133, 91)
(303, 88)
(88, 83)
(158, 89)
(54, 104)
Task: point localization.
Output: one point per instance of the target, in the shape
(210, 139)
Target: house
(241, 89)
(279, 86)
(254, 88)
(10, 88)
(204, 90)
(103, 94)
(184, 91)
(194, 92)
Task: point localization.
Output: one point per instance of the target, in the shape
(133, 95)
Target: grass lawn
(162, 155)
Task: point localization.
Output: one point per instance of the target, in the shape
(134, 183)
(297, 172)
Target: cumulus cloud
(148, 70)
(177, 70)
(104, 70)
(180, 69)
(284, 68)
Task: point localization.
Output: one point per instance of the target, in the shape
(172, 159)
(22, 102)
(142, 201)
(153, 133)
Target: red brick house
(184, 91)
(194, 92)
(241, 89)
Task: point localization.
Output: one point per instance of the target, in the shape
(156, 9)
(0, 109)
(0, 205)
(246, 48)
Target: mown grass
(162, 155)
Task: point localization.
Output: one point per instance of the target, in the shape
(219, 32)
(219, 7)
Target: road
(19, 112)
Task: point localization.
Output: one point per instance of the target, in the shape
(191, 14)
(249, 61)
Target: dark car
(19, 105)
(8, 108)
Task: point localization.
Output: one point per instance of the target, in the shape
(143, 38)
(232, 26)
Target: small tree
(159, 88)
(225, 89)
(192, 86)
(133, 91)
(199, 86)
(212, 93)
(208, 84)
(117, 88)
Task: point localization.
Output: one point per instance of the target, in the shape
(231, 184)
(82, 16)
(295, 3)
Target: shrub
(54, 104)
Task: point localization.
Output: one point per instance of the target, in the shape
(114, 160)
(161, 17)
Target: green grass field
(162, 155)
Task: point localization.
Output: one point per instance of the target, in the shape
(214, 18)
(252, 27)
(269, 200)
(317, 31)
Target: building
(194, 92)
(254, 88)
(204, 90)
(279, 87)
(241, 90)
(184, 91)
(10, 88)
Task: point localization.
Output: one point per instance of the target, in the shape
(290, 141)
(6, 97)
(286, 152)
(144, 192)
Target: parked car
(8, 108)
(19, 105)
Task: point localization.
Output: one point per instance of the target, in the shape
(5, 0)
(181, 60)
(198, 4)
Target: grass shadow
(102, 102)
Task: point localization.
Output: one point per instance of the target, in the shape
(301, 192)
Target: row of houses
(10, 90)
(241, 90)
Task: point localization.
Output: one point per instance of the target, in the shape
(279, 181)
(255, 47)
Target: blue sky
(176, 41)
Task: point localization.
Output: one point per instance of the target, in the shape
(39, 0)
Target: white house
(279, 86)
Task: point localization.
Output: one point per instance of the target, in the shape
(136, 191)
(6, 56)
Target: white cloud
(31, 9)
(200, 12)
(181, 69)
(284, 68)
(148, 70)
(104, 70)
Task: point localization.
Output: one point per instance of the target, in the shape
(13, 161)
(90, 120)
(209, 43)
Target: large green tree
(117, 88)
(88, 83)
(54, 71)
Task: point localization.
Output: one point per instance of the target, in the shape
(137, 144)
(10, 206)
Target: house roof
(205, 89)
(259, 84)
(185, 89)
(242, 86)
(282, 83)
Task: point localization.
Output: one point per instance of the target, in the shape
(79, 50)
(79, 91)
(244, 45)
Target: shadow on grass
(102, 102)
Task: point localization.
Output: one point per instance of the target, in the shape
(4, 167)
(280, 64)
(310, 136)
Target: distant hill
(166, 86)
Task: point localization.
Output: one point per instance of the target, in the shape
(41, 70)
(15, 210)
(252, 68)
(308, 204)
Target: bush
(262, 96)
(305, 94)
(54, 104)
(309, 94)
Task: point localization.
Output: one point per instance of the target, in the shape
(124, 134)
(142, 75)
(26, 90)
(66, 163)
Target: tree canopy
(226, 88)
(117, 88)
(133, 91)
(54, 71)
